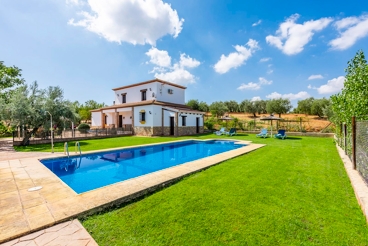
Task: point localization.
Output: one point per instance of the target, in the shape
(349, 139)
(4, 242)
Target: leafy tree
(232, 106)
(305, 106)
(248, 107)
(279, 106)
(203, 107)
(10, 77)
(28, 105)
(353, 99)
(193, 104)
(218, 108)
(84, 110)
(319, 105)
(260, 106)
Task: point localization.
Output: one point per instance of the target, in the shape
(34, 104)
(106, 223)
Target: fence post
(353, 147)
(301, 124)
(345, 141)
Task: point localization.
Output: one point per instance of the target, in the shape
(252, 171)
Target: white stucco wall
(191, 119)
(149, 116)
(178, 95)
(155, 91)
(96, 119)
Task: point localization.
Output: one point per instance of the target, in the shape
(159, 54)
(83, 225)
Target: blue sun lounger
(263, 133)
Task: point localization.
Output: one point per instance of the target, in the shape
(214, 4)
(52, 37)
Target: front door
(197, 125)
(120, 121)
(172, 125)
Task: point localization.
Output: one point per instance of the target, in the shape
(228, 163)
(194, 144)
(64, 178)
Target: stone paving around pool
(67, 233)
(23, 211)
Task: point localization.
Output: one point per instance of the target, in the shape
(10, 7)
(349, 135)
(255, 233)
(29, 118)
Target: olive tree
(279, 106)
(28, 104)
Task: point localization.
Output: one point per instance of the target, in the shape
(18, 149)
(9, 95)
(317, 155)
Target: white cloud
(298, 96)
(74, 2)
(257, 23)
(315, 76)
(176, 73)
(263, 81)
(296, 36)
(333, 86)
(187, 61)
(254, 86)
(249, 86)
(256, 99)
(236, 59)
(265, 59)
(159, 57)
(269, 71)
(136, 22)
(351, 30)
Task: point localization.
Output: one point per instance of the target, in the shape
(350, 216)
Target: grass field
(290, 192)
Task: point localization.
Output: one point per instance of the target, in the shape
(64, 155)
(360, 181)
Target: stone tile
(24, 184)
(41, 220)
(32, 235)
(10, 194)
(57, 196)
(92, 242)
(58, 226)
(9, 202)
(29, 195)
(11, 243)
(37, 210)
(32, 203)
(14, 229)
(11, 218)
(80, 242)
(8, 188)
(11, 209)
(45, 238)
(25, 243)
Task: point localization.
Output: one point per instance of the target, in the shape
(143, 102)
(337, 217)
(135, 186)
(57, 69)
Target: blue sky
(220, 50)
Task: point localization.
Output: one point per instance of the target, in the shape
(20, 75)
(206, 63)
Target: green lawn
(290, 192)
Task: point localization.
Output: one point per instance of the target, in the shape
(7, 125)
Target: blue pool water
(91, 171)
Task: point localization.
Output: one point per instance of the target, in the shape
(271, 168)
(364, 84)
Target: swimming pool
(90, 171)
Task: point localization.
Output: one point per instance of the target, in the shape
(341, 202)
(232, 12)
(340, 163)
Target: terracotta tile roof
(149, 81)
(180, 107)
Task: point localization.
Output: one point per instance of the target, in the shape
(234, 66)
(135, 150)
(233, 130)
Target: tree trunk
(254, 115)
(27, 136)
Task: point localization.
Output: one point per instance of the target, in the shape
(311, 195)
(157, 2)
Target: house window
(142, 116)
(105, 119)
(123, 98)
(184, 120)
(143, 95)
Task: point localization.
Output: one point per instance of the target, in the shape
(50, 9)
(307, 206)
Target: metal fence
(70, 134)
(361, 149)
(353, 138)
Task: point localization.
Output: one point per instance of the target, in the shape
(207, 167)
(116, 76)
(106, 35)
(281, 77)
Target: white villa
(151, 108)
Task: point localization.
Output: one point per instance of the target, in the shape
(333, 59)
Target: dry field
(310, 123)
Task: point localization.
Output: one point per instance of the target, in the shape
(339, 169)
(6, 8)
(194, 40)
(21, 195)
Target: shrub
(83, 128)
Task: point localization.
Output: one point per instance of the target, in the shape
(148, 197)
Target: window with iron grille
(142, 116)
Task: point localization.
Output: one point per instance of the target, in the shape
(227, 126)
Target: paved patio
(67, 233)
(23, 211)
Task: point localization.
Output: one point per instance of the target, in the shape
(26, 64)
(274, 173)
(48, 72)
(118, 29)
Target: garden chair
(281, 134)
(231, 132)
(263, 133)
(221, 131)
